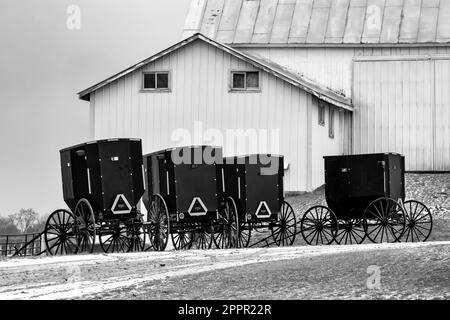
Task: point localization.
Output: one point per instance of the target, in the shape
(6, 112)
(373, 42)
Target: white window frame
(169, 81)
(245, 89)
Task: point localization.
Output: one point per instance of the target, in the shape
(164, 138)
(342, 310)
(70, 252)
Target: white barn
(197, 80)
(390, 57)
(333, 76)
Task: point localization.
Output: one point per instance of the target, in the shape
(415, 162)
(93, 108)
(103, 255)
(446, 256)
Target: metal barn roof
(274, 69)
(321, 22)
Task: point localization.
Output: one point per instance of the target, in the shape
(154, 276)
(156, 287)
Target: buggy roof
(363, 155)
(98, 142)
(181, 147)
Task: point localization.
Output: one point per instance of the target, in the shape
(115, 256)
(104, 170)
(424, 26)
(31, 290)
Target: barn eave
(341, 45)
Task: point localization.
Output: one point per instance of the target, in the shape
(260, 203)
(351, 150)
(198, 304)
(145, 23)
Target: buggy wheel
(351, 231)
(86, 224)
(182, 240)
(283, 233)
(158, 219)
(319, 226)
(136, 237)
(114, 238)
(384, 221)
(245, 234)
(419, 222)
(203, 238)
(228, 232)
(61, 233)
(221, 237)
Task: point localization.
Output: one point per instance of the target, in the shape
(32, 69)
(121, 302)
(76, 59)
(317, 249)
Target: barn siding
(200, 76)
(403, 107)
(92, 120)
(400, 106)
(442, 111)
(324, 145)
(331, 66)
(395, 110)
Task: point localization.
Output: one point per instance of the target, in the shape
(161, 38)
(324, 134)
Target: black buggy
(365, 196)
(253, 187)
(102, 184)
(184, 198)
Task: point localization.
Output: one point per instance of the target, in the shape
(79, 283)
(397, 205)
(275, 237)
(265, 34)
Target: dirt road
(406, 271)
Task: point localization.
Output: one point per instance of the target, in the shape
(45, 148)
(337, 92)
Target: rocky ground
(431, 189)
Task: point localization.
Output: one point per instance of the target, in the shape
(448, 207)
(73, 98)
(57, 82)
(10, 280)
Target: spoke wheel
(61, 233)
(221, 237)
(203, 239)
(283, 233)
(319, 226)
(136, 237)
(419, 222)
(351, 231)
(245, 234)
(158, 219)
(114, 239)
(384, 221)
(86, 223)
(228, 232)
(182, 240)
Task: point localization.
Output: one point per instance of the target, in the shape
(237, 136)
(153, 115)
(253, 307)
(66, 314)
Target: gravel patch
(431, 189)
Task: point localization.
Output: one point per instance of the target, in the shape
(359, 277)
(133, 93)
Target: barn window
(322, 109)
(155, 81)
(244, 80)
(331, 123)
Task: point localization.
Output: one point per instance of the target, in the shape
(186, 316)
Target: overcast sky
(43, 64)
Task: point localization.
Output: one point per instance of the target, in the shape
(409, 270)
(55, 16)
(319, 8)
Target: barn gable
(286, 109)
(320, 22)
(258, 62)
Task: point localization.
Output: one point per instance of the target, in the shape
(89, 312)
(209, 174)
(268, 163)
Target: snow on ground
(131, 276)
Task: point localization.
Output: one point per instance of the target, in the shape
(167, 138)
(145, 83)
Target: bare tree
(25, 219)
(40, 225)
(6, 226)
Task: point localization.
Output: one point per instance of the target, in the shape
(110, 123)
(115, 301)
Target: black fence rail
(30, 244)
